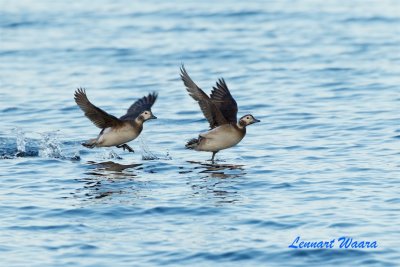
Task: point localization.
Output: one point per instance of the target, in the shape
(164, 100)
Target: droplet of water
(111, 155)
(50, 146)
(146, 153)
(21, 142)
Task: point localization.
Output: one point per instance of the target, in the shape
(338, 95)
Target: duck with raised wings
(114, 131)
(220, 109)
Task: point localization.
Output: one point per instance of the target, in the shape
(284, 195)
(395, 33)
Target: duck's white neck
(241, 125)
(139, 120)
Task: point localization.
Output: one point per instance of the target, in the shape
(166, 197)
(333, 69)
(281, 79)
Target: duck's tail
(90, 143)
(192, 143)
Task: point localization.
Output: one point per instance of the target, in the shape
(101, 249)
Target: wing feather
(142, 104)
(99, 117)
(209, 109)
(224, 101)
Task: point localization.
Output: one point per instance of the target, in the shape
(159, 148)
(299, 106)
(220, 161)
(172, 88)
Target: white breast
(114, 137)
(219, 138)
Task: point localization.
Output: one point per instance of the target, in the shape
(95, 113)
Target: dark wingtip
(79, 93)
(153, 96)
(183, 71)
(221, 83)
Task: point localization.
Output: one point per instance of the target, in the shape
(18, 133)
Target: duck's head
(146, 115)
(247, 120)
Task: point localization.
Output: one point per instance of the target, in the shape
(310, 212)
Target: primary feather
(144, 103)
(99, 117)
(208, 107)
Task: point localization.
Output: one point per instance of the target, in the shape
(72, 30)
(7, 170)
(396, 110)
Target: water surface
(323, 77)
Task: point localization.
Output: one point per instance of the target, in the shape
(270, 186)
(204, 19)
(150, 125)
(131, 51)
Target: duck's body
(114, 136)
(117, 136)
(220, 109)
(219, 138)
(116, 132)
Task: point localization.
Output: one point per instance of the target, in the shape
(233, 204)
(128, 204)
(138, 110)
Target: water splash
(50, 145)
(111, 155)
(21, 142)
(76, 157)
(168, 156)
(146, 153)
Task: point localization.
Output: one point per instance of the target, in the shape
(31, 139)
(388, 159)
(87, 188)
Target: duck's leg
(125, 146)
(212, 158)
(129, 148)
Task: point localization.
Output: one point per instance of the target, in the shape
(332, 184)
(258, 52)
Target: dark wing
(144, 103)
(99, 117)
(210, 111)
(224, 101)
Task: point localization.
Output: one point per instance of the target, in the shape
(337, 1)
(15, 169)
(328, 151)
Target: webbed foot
(125, 146)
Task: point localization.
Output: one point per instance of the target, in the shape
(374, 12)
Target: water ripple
(321, 76)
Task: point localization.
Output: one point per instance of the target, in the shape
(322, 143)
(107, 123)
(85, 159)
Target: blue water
(323, 77)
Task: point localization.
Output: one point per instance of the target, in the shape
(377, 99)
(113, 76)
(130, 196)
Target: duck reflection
(103, 168)
(108, 179)
(219, 170)
(215, 181)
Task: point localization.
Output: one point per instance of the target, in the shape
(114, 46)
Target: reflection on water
(110, 166)
(219, 170)
(107, 179)
(215, 181)
(323, 75)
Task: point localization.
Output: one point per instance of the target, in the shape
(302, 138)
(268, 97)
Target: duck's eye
(248, 117)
